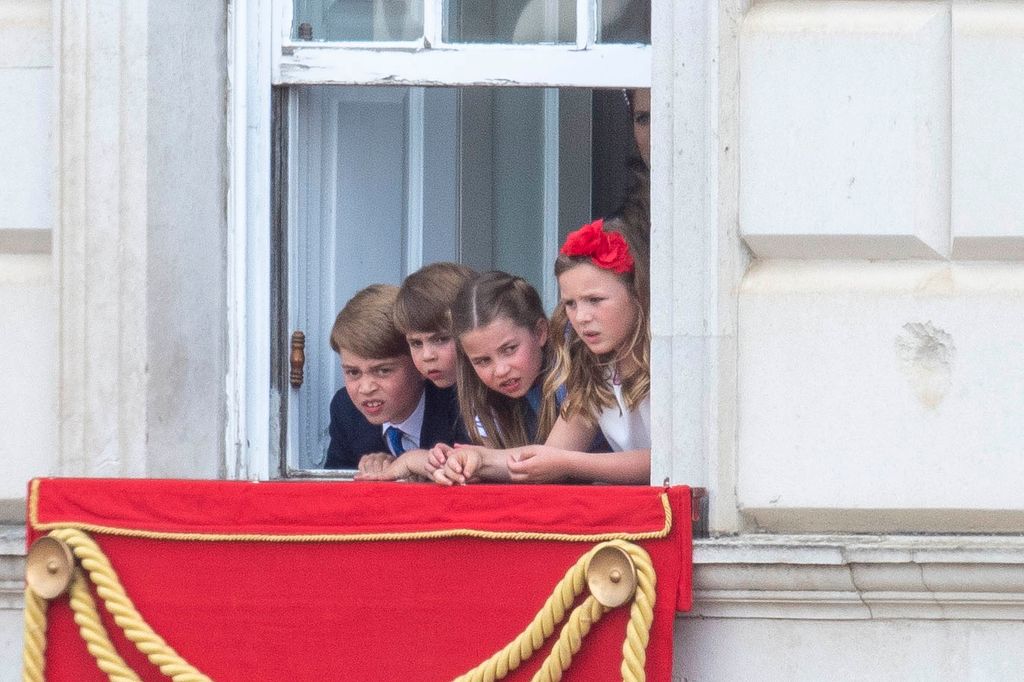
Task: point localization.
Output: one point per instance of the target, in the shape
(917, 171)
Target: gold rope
(499, 665)
(95, 633)
(570, 640)
(32, 656)
(641, 615)
(110, 590)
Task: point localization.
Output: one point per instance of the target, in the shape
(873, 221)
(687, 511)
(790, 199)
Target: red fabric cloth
(285, 607)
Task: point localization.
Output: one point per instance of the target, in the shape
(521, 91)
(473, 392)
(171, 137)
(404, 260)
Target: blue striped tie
(394, 435)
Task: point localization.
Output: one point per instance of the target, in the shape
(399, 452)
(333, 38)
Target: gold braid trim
(516, 536)
(499, 665)
(110, 590)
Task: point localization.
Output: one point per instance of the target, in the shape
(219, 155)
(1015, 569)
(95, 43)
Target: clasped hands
(463, 464)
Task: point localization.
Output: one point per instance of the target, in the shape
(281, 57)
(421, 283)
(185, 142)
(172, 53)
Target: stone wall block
(881, 396)
(988, 149)
(845, 130)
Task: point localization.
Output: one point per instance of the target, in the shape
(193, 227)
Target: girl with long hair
(602, 360)
(503, 353)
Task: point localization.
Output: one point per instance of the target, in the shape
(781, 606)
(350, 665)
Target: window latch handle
(297, 359)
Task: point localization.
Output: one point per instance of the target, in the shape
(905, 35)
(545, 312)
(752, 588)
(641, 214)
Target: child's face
(507, 358)
(433, 353)
(383, 390)
(600, 307)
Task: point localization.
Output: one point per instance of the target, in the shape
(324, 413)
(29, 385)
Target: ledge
(803, 577)
(12, 567)
(860, 577)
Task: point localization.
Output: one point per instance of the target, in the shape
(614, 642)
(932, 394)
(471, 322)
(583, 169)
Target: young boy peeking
(423, 314)
(387, 416)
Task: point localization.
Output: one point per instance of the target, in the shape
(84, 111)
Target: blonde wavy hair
(583, 373)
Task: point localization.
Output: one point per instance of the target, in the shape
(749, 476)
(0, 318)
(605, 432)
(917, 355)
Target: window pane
(510, 21)
(358, 20)
(386, 179)
(624, 21)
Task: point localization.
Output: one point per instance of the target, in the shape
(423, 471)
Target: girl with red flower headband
(602, 359)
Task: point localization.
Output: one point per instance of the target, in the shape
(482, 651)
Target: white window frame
(431, 61)
(687, 320)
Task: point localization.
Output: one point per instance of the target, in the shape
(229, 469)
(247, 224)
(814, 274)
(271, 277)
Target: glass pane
(510, 21)
(624, 21)
(358, 20)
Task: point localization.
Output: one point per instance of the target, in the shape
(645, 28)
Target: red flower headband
(607, 250)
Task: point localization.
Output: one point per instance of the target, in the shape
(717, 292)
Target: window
(411, 131)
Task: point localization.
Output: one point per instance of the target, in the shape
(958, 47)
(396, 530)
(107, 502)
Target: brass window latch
(297, 359)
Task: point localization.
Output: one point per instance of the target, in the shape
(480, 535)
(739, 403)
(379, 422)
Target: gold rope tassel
(110, 590)
(32, 657)
(634, 648)
(95, 634)
(570, 640)
(641, 615)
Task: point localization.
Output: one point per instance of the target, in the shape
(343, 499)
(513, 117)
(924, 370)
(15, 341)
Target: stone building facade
(838, 302)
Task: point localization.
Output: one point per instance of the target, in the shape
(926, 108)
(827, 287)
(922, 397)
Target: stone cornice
(12, 567)
(860, 577)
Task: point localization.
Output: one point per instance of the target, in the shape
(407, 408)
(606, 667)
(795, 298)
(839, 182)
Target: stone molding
(12, 567)
(100, 244)
(853, 577)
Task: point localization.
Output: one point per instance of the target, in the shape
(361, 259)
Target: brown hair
(636, 205)
(584, 374)
(482, 300)
(366, 326)
(425, 298)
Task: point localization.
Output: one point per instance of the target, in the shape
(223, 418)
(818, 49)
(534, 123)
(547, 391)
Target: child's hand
(373, 463)
(537, 464)
(460, 466)
(437, 457)
(410, 465)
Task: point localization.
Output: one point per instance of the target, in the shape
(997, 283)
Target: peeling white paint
(602, 66)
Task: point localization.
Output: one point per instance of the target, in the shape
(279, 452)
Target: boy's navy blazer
(352, 436)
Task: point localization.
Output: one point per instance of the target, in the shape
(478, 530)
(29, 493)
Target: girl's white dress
(625, 430)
